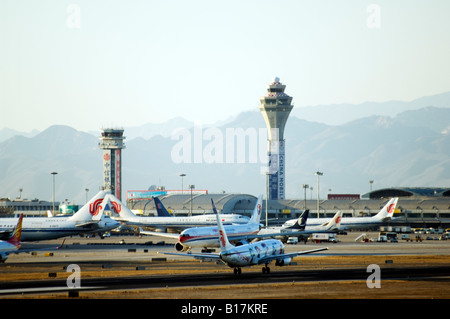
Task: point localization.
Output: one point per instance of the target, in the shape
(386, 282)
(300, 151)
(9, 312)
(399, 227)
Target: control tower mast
(275, 107)
(111, 142)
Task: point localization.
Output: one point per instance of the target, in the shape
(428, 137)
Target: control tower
(111, 142)
(275, 107)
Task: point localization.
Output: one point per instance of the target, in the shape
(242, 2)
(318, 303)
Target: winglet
(223, 238)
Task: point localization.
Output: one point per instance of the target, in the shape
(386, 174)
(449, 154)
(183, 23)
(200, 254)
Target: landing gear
(266, 270)
(237, 271)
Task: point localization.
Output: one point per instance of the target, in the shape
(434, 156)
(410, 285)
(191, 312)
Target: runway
(210, 279)
(136, 265)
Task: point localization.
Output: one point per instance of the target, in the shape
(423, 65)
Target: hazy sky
(97, 63)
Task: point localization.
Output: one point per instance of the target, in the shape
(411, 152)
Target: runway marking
(43, 289)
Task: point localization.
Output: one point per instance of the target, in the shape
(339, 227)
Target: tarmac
(140, 257)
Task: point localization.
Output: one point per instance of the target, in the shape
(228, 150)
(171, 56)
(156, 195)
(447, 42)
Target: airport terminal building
(417, 207)
(27, 207)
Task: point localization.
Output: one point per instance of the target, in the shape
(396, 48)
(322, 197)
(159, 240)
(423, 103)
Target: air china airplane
(262, 252)
(89, 219)
(165, 221)
(203, 237)
(384, 215)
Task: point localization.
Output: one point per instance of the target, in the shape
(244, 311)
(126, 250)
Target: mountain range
(410, 148)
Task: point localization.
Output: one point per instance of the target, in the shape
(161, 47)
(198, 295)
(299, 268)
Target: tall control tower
(275, 107)
(112, 145)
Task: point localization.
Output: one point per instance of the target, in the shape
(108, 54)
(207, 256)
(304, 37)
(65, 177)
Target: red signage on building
(344, 196)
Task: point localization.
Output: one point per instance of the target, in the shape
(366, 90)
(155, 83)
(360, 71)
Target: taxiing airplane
(165, 221)
(207, 236)
(89, 219)
(301, 227)
(384, 215)
(12, 244)
(262, 252)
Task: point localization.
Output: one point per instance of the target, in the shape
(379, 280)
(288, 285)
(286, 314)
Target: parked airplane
(262, 252)
(12, 244)
(89, 219)
(384, 215)
(166, 221)
(204, 237)
(301, 227)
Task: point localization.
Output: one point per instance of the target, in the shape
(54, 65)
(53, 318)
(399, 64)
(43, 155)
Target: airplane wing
(160, 234)
(27, 248)
(203, 256)
(290, 255)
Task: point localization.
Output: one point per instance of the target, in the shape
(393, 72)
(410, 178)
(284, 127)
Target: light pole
(87, 191)
(191, 187)
(305, 187)
(318, 174)
(182, 176)
(371, 183)
(53, 173)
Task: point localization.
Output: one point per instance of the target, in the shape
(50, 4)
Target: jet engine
(283, 262)
(180, 247)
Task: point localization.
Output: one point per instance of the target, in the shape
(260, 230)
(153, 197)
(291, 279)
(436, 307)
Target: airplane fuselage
(251, 254)
(184, 222)
(346, 223)
(209, 236)
(5, 249)
(45, 228)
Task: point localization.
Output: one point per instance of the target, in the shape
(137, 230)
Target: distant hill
(411, 148)
(7, 133)
(27, 162)
(338, 114)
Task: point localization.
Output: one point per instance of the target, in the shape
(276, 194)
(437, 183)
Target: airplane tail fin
(223, 238)
(91, 208)
(335, 222)
(300, 224)
(160, 208)
(17, 234)
(256, 215)
(105, 205)
(387, 211)
(118, 208)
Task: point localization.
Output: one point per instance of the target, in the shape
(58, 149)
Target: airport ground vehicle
(320, 237)
(387, 236)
